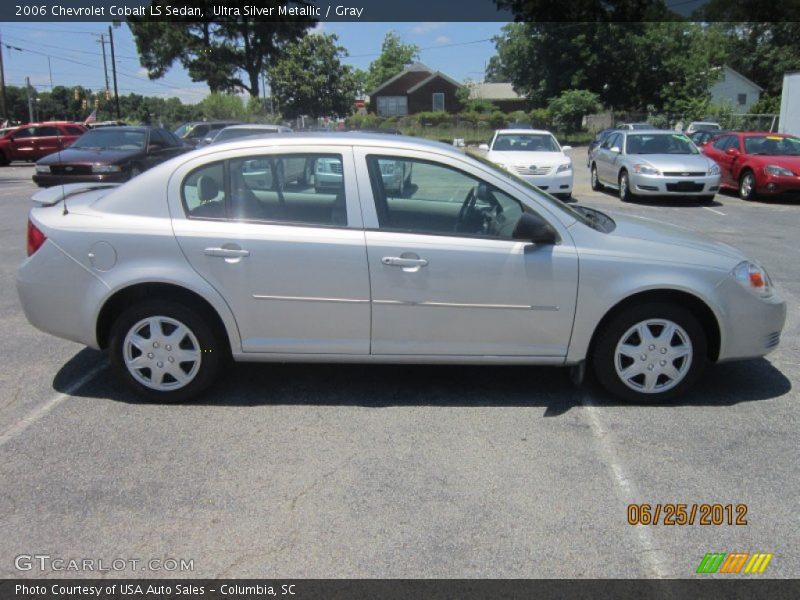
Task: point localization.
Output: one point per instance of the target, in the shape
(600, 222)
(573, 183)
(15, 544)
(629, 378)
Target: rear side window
(203, 192)
(47, 131)
(292, 188)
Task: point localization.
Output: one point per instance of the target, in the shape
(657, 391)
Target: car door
(22, 145)
(717, 151)
(439, 289)
(606, 158)
(291, 264)
(48, 139)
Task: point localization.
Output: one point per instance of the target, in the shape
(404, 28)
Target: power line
(428, 47)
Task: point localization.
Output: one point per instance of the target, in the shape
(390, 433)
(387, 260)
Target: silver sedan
(653, 163)
(195, 262)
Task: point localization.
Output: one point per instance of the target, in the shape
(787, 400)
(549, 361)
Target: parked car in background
(632, 126)
(654, 163)
(209, 138)
(98, 124)
(109, 154)
(194, 132)
(536, 156)
(702, 136)
(188, 266)
(703, 126)
(598, 139)
(33, 141)
(757, 164)
(233, 132)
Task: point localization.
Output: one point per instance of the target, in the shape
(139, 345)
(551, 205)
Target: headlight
(42, 169)
(646, 170)
(776, 170)
(714, 169)
(106, 169)
(754, 277)
(564, 167)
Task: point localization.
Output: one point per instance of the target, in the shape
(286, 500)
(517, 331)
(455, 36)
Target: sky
(460, 50)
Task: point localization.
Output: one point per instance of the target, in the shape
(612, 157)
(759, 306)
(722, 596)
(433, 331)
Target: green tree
(310, 79)
(395, 56)
(227, 52)
(222, 106)
(569, 108)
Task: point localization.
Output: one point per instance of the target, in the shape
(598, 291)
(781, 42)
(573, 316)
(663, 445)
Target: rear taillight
(35, 238)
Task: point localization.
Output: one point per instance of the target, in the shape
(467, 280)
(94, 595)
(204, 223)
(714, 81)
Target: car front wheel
(747, 186)
(650, 353)
(625, 193)
(596, 185)
(167, 352)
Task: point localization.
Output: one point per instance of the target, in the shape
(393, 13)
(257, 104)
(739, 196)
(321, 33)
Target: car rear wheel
(650, 353)
(625, 193)
(747, 186)
(596, 185)
(3, 159)
(165, 351)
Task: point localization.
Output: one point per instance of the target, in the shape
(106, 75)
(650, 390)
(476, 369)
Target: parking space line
(714, 211)
(29, 419)
(653, 557)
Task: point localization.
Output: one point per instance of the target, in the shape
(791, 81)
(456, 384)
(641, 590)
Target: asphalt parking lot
(399, 471)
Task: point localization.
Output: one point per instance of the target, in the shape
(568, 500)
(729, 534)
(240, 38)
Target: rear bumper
(56, 295)
(50, 179)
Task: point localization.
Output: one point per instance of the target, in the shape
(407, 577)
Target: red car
(35, 140)
(757, 164)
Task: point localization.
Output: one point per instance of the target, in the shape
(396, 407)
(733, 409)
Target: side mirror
(566, 148)
(532, 228)
(615, 149)
(732, 152)
(483, 147)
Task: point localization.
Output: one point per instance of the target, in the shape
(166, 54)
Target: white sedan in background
(535, 156)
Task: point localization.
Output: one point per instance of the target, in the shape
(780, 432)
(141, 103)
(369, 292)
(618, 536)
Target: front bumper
(553, 183)
(659, 185)
(51, 179)
(778, 184)
(751, 326)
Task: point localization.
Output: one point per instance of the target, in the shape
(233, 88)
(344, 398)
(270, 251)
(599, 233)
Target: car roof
(264, 126)
(126, 128)
(332, 139)
(763, 133)
(524, 131)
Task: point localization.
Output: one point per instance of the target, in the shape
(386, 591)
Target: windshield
(183, 130)
(525, 142)
(231, 134)
(551, 200)
(660, 143)
(110, 139)
(772, 145)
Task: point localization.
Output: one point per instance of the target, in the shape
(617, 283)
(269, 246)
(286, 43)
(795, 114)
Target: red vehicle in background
(757, 164)
(33, 141)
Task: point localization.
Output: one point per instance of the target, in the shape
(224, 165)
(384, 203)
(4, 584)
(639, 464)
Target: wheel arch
(697, 306)
(127, 296)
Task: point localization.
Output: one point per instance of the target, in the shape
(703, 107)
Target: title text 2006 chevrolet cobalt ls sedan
(216, 254)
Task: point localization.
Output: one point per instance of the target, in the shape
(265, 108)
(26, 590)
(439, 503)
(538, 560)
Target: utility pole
(102, 42)
(3, 83)
(114, 69)
(30, 102)
(50, 70)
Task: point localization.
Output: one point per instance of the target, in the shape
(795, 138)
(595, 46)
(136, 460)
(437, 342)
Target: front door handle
(227, 252)
(399, 261)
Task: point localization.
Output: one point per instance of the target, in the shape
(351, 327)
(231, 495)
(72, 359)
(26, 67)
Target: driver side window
(419, 196)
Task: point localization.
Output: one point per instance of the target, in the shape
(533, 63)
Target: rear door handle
(398, 261)
(227, 252)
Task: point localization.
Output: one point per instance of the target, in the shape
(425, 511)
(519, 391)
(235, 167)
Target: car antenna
(63, 193)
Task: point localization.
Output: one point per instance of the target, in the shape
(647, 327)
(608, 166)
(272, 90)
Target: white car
(703, 126)
(535, 156)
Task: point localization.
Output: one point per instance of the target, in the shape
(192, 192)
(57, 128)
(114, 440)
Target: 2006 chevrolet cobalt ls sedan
(206, 257)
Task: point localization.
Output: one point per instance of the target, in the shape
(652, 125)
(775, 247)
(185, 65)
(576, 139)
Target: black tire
(706, 199)
(564, 197)
(3, 160)
(625, 193)
(747, 191)
(134, 171)
(595, 180)
(605, 361)
(212, 350)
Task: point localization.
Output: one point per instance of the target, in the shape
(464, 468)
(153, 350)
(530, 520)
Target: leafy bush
(498, 120)
(569, 108)
(540, 118)
(434, 118)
